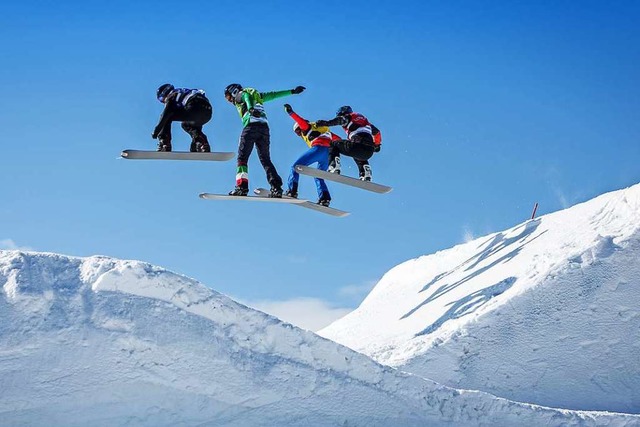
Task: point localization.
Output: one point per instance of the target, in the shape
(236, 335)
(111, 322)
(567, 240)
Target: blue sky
(485, 109)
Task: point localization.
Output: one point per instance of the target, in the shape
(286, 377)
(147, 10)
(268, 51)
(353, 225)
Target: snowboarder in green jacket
(249, 103)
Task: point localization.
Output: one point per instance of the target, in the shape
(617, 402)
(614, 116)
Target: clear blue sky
(485, 108)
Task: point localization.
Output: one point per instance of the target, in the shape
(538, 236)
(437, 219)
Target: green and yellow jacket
(249, 103)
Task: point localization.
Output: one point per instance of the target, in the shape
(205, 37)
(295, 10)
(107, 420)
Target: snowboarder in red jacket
(363, 139)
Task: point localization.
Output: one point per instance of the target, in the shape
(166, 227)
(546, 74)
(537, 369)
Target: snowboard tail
(354, 182)
(175, 155)
(262, 192)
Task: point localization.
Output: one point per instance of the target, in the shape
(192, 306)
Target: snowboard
(175, 155)
(262, 197)
(262, 192)
(354, 182)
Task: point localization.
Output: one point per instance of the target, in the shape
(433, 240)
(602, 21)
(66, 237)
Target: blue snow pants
(316, 154)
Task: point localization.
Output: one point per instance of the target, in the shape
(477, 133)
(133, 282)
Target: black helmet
(163, 91)
(344, 110)
(231, 91)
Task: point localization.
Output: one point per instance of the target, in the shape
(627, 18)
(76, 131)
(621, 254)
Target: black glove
(298, 89)
(155, 134)
(377, 148)
(288, 108)
(321, 123)
(255, 113)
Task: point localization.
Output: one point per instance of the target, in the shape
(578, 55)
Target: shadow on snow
(469, 304)
(487, 249)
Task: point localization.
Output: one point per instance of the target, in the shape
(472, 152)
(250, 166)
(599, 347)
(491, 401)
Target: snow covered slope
(547, 312)
(98, 341)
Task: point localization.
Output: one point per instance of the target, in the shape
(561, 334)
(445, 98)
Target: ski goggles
(231, 95)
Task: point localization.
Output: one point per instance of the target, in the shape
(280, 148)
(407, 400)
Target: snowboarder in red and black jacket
(363, 139)
(189, 106)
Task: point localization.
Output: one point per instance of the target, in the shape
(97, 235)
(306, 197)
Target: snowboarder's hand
(154, 134)
(298, 89)
(321, 123)
(377, 148)
(288, 108)
(255, 113)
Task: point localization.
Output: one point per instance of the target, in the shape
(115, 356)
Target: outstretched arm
(270, 96)
(340, 120)
(168, 112)
(304, 125)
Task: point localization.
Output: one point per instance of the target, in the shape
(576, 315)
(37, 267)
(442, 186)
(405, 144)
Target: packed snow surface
(98, 341)
(546, 312)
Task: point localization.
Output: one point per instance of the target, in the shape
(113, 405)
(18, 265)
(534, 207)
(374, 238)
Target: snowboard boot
(164, 145)
(203, 147)
(291, 193)
(324, 200)
(239, 191)
(334, 167)
(200, 144)
(366, 173)
(276, 192)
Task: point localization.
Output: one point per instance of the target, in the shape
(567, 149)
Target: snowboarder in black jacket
(189, 106)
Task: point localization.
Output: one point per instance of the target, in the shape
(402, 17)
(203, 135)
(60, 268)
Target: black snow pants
(258, 134)
(193, 116)
(360, 147)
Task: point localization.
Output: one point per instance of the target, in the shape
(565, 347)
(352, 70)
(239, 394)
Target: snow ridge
(544, 312)
(99, 341)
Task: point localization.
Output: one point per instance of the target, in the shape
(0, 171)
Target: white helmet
(297, 129)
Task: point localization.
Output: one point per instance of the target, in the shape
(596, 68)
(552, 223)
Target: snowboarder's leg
(322, 159)
(197, 112)
(292, 182)
(356, 148)
(199, 141)
(324, 198)
(262, 145)
(323, 190)
(361, 163)
(245, 147)
(364, 170)
(360, 148)
(305, 159)
(292, 190)
(336, 148)
(361, 155)
(315, 154)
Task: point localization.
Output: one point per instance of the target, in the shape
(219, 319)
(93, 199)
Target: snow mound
(545, 312)
(98, 341)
